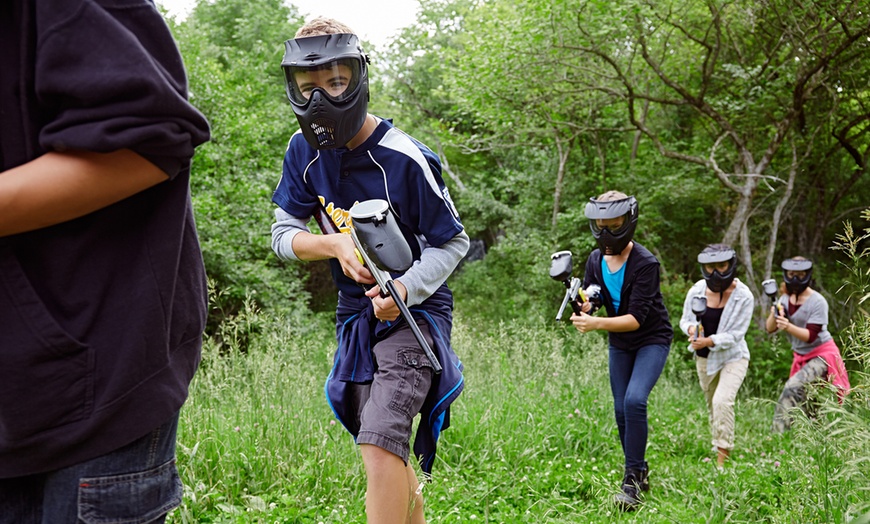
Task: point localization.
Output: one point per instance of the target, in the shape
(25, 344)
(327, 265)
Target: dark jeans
(633, 373)
(135, 484)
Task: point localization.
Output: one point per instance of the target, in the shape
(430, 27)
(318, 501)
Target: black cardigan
(641, 297)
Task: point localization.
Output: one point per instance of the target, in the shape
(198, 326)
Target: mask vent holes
(324, 129)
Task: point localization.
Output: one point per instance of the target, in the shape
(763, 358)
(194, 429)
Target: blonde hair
(322, 26)
(611, 196)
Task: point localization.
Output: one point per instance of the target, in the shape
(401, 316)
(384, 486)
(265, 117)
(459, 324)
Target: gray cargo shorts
(386, 408)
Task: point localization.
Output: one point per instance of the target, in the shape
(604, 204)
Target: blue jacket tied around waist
(357, 332)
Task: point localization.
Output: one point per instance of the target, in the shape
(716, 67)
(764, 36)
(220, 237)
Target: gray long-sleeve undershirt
(420, 281)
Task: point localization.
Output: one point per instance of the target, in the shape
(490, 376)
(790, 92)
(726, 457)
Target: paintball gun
(381, 248)
(561, 266)
(699, 307)
(770, 290)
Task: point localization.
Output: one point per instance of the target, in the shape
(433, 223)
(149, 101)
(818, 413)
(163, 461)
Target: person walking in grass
(719, 346)
(381, 379)
(815, 354)
(638, 326)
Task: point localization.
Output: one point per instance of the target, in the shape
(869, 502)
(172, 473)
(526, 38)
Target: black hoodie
(101, 317)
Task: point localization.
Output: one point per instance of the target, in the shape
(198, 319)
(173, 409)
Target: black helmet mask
(612, 242)
(718, 282)
(329, 117)
(795, 285)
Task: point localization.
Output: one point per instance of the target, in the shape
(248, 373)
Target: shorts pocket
(133, 498)
(415, 372)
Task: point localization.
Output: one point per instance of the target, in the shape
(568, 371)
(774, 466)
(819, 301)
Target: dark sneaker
(644, 477)
(629, 498)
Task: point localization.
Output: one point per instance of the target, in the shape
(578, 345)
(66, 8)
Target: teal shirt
(613, 282)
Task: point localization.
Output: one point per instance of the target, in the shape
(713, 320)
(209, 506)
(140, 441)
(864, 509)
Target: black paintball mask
(717, 281)
(612, 241)
(796, 285)
(326, 78)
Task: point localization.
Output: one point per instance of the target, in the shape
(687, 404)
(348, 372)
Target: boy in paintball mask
(639, 329)
(721, 353)
(340, 156)
(816, 355)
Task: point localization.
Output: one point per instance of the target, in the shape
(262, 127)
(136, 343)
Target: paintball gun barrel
(561, 266)
(381, 247)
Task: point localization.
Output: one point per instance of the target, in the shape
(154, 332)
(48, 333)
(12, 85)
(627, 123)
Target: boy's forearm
(433, 268)
(58, 187)
(308, 246)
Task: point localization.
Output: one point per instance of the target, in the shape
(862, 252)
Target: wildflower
(237, 429)
(776, 464)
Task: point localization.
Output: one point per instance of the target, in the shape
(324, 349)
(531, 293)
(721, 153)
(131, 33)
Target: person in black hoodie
(640, 331)
(102, 285)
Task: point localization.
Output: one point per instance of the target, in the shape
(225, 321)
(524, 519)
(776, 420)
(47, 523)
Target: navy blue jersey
(389, 165)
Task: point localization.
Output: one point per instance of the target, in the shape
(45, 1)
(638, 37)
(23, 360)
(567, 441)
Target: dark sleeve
(109, 76)
(643, 291)
(814, 330)
(292, 194)
(426, 206)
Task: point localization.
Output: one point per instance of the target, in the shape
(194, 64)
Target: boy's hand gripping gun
(561, 265)
(699, 307)
(381, 248)
(769, 287)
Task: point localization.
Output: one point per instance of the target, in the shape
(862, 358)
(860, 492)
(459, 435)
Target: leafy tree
(233, 50)
(762, 80)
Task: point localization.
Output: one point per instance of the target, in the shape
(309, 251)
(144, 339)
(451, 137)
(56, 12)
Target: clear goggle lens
(614, 225)
(338, 80)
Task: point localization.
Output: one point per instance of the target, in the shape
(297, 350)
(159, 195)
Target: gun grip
(577, 307)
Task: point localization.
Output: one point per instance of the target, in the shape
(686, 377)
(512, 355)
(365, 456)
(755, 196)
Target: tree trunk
(563, 150)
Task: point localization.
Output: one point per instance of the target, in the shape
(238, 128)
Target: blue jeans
(135, 484)
(633, 373)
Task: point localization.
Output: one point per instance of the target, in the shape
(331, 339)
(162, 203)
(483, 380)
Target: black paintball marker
(381, 248)
(770, 289)
(561, 266)
(699, 307)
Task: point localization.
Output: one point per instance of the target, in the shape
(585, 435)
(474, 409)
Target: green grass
(532, 439)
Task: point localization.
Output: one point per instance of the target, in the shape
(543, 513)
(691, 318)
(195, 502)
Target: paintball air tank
(381, 248)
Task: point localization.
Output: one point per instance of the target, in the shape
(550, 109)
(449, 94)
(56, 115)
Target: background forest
(745, 122)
